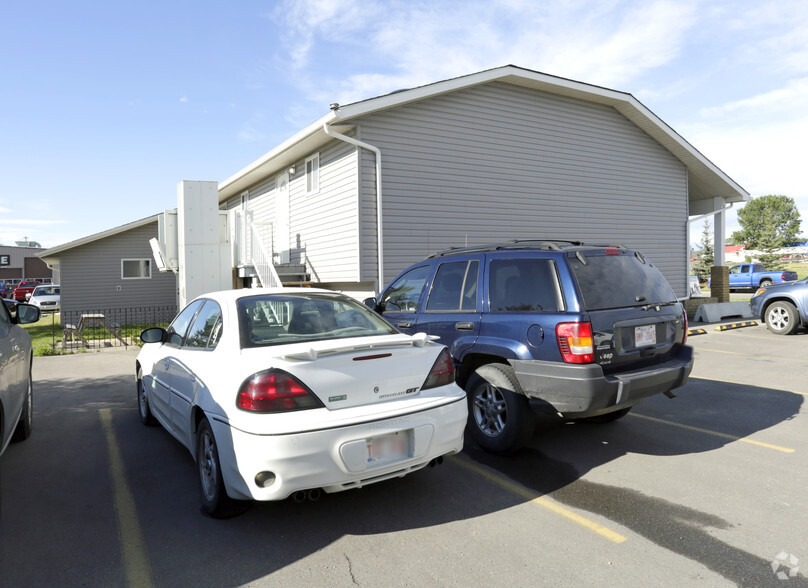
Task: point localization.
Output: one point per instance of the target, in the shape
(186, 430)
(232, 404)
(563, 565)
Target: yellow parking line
(714, 433)
(542, 501)
(136, 566)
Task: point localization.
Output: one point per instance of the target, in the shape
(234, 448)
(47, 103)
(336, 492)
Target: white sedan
(290, 391)
(47, 298)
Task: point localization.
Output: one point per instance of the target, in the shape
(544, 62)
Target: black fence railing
(105, 327)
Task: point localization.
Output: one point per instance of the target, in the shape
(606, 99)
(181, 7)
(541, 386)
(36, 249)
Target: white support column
(204, 255)
(719, 232)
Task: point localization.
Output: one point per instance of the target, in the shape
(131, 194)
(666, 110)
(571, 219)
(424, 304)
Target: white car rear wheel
(215, 501)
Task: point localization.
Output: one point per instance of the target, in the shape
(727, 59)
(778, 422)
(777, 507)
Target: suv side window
(403, 294)
(454, 287)
(524, 285)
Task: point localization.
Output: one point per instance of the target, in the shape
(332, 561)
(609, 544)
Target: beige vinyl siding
(91, 274)
(324, 226)
(499, 162)
(325, 223)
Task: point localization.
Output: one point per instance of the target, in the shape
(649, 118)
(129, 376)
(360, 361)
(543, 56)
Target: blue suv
(586, 330)
(783, 307)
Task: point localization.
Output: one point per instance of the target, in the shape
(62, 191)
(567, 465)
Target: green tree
(705, 256)
(774, 219)
(769, 245)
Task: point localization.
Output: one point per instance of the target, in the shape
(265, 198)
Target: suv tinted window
(615, 281)
(403, 294)
(524, 285)
(454, 287)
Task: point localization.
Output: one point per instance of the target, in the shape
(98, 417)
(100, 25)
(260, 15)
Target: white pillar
(204, 254)
(719, 232)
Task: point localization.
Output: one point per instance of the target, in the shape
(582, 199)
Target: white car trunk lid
(362, 372)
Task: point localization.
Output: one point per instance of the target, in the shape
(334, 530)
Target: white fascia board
(54, 251)
(285, 153)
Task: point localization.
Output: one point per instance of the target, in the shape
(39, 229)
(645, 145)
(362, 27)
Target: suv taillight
(442, 373)
(275, 391)
(575, 342)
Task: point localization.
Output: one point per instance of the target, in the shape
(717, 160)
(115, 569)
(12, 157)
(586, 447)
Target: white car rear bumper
(340, 458)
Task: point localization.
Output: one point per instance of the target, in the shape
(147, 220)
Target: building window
(135, 269)
(313, 174)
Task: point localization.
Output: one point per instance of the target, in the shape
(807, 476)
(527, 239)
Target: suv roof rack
(547, 245)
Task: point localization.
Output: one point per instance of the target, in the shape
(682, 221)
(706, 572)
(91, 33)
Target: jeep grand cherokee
(590, 330)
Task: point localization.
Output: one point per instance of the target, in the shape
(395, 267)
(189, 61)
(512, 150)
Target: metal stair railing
(251, 250)
(262, 262)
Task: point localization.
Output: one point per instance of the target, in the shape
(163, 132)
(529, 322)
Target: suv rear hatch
(635, 317)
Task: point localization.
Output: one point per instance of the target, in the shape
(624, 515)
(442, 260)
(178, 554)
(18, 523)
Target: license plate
(645, 335)
(388, 447)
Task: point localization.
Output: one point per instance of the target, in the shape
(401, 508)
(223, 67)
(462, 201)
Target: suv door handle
(404, 325)
(464, 326)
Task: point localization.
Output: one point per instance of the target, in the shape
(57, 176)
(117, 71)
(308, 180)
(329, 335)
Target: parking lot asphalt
(705, 489)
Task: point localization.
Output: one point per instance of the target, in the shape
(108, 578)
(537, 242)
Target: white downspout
(378, 153)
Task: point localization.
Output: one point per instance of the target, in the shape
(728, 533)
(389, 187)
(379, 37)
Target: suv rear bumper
(584, 390)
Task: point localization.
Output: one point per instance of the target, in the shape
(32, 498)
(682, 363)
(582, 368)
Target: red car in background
(24, 290)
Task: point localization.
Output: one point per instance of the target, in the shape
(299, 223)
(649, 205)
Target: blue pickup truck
(753, 276)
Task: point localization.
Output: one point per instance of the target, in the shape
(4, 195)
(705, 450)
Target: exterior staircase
(254, 259)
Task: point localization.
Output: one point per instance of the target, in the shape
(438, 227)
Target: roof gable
(706, 181)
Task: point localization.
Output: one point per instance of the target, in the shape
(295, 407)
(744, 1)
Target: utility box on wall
(202, 241)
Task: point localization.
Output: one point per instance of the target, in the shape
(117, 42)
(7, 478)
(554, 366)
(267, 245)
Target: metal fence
(97, 328)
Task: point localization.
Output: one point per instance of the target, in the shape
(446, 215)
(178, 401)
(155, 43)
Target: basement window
(313, 174)
(135, 269)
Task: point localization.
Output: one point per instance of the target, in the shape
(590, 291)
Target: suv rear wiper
(655, 305)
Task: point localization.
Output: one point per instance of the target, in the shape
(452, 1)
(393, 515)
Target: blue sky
(106, 106)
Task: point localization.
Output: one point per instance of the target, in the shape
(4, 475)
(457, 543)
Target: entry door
(282, 232)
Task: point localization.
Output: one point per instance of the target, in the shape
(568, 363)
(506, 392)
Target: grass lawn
(46, 334)
(800, 268)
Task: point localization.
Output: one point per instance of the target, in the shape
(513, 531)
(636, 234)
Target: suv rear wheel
(501, 419)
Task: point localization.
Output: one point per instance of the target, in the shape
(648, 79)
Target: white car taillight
(442, 373)
(275, 391)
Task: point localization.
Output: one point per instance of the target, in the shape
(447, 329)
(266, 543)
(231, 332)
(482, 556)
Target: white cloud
(421, 42)
(184, 99)
(791, 98)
